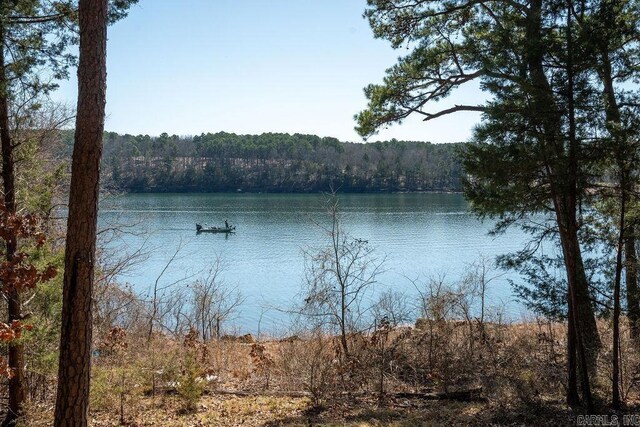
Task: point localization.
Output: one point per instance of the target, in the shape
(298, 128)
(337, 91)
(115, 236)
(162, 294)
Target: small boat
(206, 229)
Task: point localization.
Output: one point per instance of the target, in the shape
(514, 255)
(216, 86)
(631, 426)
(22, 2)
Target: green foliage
(43, 171)
(544, 147)
(190, 384)
(276, 163)
(114, 383)
(39, 179)
(45, 306)
(36, 36)
(117, 377)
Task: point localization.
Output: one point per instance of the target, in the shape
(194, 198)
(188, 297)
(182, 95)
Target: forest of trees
(275, 162)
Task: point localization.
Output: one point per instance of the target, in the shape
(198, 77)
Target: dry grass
(167, 411)
(267, 411)
(520, 368)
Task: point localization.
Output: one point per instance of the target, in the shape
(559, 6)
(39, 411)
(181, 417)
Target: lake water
(420, 235)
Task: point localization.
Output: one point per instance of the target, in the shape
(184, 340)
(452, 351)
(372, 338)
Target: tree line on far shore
(275, 162)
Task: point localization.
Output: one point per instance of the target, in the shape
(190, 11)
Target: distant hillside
(275, 162)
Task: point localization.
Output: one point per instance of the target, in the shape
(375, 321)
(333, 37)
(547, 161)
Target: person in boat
(226, 223)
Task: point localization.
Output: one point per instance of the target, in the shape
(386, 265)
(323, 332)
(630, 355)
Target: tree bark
(616, 399)
(572, 397)
(626, 239)
(633, 292)
(17, 387)
(613, 116)
(562, 171)
(72, 400)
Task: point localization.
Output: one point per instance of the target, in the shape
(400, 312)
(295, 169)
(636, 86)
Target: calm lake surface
(420, 235)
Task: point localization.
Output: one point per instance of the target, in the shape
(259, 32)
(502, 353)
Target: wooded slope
(275, 162)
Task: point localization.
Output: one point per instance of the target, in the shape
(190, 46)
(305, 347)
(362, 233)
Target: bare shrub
(337, 279)
(213, 302)
(317, 366)
(262, 362)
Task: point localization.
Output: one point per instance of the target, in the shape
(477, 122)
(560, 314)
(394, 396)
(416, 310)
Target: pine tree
(539, 149)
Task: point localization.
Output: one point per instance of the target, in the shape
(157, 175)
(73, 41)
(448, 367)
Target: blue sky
(251, 66)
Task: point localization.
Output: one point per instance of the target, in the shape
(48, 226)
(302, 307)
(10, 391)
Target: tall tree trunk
(17, 388)
(626, 235)
(584, 318)
(627, 187)
(584, 333)
(614, 121)
(562, 171)
(631, 278)
(75, 342)
(572, 397)
(615, 380)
